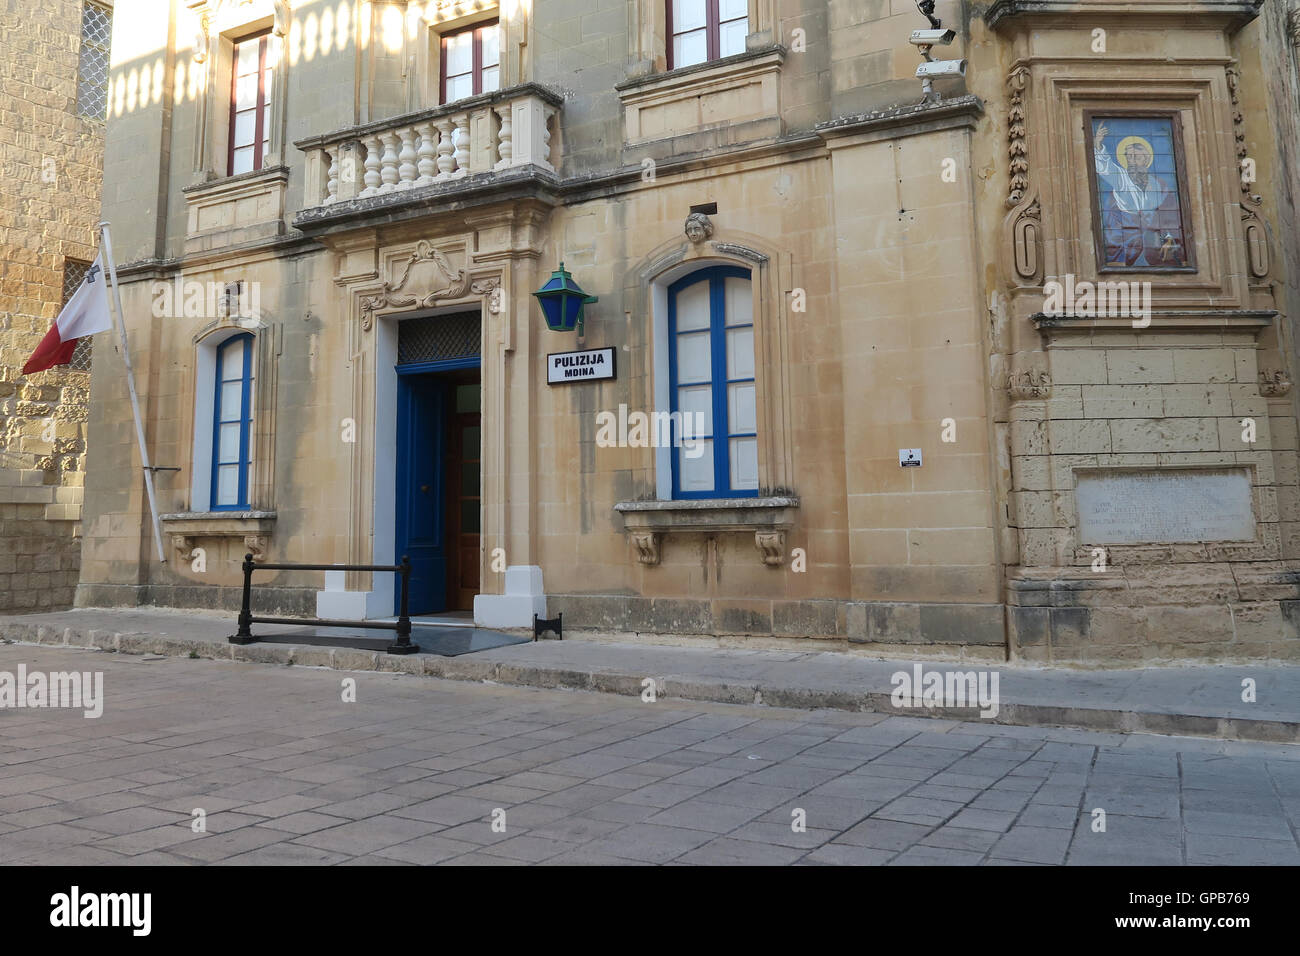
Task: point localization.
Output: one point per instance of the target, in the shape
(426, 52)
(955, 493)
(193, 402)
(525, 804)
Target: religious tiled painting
(1139, 193)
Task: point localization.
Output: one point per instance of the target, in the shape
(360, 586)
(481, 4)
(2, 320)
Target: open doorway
(439, 481)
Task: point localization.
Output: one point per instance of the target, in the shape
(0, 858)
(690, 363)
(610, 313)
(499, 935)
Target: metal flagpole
(107, 247)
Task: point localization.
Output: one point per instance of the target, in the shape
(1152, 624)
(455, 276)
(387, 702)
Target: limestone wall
(50, 161)
(917, 248)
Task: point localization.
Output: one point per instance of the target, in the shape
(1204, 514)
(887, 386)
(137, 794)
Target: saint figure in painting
(1141, 214)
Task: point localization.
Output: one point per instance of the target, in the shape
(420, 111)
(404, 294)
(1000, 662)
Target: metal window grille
(438, 337)
(92, 65)
(74, 271)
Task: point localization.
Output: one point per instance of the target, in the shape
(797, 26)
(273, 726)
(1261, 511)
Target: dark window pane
(469, 516)
(468, 399)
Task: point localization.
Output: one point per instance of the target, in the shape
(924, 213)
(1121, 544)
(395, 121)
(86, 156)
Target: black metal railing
(402, 625)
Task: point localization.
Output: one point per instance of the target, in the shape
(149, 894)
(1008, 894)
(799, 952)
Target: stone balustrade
(480, 135)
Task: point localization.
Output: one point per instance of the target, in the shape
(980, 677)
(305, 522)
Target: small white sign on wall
(909, 457)
(586, 366)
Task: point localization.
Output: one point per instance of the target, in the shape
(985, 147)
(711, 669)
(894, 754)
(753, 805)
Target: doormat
(443, 641)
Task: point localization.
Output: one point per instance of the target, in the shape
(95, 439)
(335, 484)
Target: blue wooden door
(421, 443)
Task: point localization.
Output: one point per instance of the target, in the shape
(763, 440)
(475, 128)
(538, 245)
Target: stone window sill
(768, 518)
(236, 208)
(737, 90)
(186, 527)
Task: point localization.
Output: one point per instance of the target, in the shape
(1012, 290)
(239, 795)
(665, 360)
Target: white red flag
(85, 314)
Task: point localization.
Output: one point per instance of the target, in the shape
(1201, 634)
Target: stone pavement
(416, 770)
(1202, 700)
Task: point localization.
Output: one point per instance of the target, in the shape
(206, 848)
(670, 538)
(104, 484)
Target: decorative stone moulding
(1017, 148)
(1232, 13)
(767, 518)
(394, 294)
(188, 527)
(1253, 230)
(1030, 384)
(1023, 226)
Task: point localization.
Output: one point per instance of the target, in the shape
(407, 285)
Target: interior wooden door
(465, 494)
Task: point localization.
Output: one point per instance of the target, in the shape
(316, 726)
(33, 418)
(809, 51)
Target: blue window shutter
(722, 431)
(225, 374)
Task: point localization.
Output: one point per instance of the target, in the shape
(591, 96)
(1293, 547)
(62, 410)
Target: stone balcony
(402, 166)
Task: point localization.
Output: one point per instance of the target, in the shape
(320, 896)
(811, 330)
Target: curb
(750, 693)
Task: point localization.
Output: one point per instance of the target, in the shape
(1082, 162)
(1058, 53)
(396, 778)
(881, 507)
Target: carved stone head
(698, 227)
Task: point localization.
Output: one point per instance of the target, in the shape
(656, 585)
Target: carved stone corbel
(183, 545)
(1029, 384)
(771, 545)
(255, 544)
(647, 547)
(1273, 383)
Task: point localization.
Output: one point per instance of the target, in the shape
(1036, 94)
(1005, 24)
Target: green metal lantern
(562, 300)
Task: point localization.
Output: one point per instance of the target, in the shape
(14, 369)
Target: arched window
(232, 423)
(711, 384)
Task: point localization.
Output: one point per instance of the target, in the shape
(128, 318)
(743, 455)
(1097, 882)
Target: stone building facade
(922, 431)
(54, 72)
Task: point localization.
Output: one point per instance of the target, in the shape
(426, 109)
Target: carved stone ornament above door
(431, 269)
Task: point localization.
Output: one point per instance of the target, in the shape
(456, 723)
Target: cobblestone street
(427, 771)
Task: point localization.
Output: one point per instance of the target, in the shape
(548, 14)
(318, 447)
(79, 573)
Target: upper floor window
(711, 384)
(250, 103)
(232, 423)
(704, 30)
(92, 61)
(471, 61)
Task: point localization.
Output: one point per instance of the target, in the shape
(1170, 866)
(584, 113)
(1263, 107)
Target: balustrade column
(460, 140)
(332, 177)
(428, 167)
(406, 168)
(389, 171)
(505, 147)
(372, 161)
(446, 162)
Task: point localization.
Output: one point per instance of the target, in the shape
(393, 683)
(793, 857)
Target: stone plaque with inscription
(1164, 506)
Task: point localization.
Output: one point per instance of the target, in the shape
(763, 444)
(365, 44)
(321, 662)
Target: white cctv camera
(933, 37)
(933, 68)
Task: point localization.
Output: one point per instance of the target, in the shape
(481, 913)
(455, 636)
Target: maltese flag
(85, 314)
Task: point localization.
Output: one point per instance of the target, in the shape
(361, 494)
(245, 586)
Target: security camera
(933, 68)
(932, 37)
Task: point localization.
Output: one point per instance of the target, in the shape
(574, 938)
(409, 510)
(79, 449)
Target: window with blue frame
(711, 384)
(232, 423)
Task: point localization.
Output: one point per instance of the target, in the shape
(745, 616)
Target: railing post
(403, 644)
(245, 634)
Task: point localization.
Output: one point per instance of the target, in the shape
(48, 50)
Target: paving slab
(1199, 700)
(421, 770)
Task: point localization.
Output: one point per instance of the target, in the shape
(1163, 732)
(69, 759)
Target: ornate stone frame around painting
(1184, 190)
